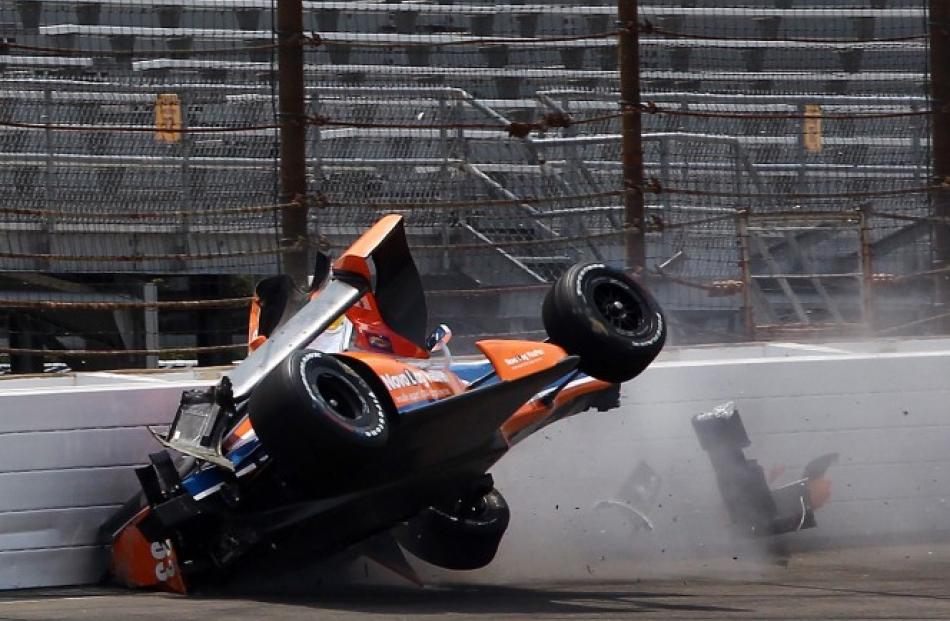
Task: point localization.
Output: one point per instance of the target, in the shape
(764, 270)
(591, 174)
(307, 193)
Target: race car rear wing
(299, 330)
(378, 264)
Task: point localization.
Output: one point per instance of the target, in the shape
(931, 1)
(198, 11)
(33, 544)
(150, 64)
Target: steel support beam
(293, 133)
(631, 129)
(940, 98)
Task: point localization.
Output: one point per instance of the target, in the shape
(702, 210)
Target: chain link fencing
(138, 164)
(790, 109)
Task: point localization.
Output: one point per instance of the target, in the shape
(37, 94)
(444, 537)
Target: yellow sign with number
(811, 128)
(168, 118)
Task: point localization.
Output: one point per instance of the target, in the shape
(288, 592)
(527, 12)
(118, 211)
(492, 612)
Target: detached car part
(754, 508)
(638, 493)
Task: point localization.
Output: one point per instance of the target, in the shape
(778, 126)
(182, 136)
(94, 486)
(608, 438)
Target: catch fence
(789, 176)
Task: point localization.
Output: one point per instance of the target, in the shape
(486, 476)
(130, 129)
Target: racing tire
(463, 537)
(314, 411)
(605, 317)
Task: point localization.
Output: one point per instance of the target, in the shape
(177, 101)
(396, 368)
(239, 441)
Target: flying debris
(753, 507)
(640, 491)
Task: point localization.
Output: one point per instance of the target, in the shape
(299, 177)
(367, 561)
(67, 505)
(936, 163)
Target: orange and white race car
(340, 427)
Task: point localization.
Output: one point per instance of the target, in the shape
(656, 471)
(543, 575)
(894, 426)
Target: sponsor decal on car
(414, 385)
(165, 565)
(524, 358)
(413, 377)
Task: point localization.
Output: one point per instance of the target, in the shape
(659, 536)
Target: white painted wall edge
(68, 446)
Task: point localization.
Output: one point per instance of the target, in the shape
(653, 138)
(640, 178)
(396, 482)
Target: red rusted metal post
(293, 133)
(940, 96)
(748, 312)
(867, 270)
(631, 128)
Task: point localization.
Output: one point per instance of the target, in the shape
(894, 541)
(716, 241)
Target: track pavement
(893, 582)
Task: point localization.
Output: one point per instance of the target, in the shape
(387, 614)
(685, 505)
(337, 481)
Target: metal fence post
(48, 146)
(631, 129)
(184, 148)
(150, 295)
(184, 151)
(444, 174)
(742, 232)
(48, 178)
(666, 175)
(443, 133)
(24, 334)
(293, 131)
(867, 269)
(316, 144)
(940, 99)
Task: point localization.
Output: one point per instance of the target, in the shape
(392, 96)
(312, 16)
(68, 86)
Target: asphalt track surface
(897, 582)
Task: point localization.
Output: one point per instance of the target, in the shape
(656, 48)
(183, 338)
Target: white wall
(887, 414)
(68, 446)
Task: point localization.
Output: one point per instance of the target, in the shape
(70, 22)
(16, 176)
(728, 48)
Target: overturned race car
(339, 430)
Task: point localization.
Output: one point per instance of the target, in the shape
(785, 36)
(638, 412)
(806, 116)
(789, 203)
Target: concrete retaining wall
(884, 407)
(68, 446)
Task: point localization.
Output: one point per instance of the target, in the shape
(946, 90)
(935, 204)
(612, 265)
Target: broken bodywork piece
(753, 507)
(639, 492)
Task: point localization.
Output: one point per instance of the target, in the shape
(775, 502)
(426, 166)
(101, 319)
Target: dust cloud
(616, 495)
(630, 493)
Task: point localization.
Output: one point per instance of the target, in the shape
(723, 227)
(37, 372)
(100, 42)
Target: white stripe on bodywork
(572, 384)
(246, 437)
(243, 471)
(208, 491)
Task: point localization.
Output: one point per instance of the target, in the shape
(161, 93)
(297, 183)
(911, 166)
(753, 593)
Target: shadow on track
(487, 600)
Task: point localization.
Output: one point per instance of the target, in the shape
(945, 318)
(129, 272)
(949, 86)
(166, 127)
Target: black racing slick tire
(607, 318)
(315, 411)
(464, 536)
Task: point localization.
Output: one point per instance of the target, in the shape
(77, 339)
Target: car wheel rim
(618, 307)
(342, 399)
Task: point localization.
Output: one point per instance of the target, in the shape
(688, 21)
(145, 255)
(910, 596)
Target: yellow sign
(811, 128)
(168, 118)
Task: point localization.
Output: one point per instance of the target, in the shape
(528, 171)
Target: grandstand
(413, 102)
